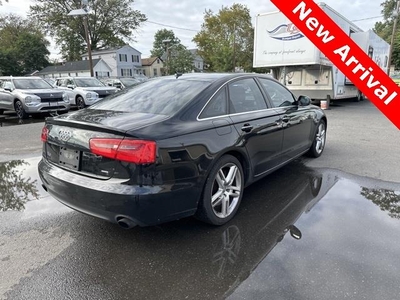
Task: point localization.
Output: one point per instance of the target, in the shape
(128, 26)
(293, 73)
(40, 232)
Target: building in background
(198, 61)
(125, 61)
(77, 69)
(152, 67)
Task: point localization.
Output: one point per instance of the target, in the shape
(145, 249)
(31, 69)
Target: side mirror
(70, 86)
(8, 89)
(304, 101)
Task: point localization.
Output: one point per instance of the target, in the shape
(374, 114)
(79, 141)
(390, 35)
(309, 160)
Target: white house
(124, 62)
(77, 69)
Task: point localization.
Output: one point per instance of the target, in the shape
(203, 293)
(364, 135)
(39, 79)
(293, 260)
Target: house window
(158, 61)
(198, 65)
(126, 72)
(123, 57)
(135, 58)
(155, 72)
(144, 72)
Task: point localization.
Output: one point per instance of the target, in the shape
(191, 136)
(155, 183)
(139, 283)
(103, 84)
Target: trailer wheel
(359, 97)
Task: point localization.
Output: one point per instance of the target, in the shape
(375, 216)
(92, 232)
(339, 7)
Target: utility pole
(396, 16)
(166, 43)
(234, 48)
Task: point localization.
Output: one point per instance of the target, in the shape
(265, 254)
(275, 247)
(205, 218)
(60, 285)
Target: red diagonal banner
(343, 52)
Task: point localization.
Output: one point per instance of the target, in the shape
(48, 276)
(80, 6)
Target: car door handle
(247, 128)
(285, 119)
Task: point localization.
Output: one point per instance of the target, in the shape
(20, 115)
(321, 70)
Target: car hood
(40, 91)
(108, 119)
(97, 88)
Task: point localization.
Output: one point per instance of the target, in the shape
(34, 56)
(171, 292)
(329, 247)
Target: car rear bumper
(112, 199)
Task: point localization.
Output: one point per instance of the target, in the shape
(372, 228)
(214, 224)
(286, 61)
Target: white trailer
(298, 64)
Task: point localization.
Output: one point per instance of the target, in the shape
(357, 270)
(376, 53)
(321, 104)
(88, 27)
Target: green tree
(226, 39)
(23, 47)
(385, 29)
(110, 24)
(159, 44)
(180, 60)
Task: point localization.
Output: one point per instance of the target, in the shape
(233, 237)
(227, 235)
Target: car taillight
(134, 151)
(45, 134)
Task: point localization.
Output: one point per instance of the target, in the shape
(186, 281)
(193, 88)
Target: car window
(278, 94)
(158, 96)
(217, 106)
(244, 96)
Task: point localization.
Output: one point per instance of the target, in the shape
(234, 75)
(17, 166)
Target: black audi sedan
(177, 146)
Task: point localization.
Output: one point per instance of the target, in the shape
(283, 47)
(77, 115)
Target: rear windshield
(159, 96)
(31, 83)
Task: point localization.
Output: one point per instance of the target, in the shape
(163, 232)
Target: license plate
(69, 158)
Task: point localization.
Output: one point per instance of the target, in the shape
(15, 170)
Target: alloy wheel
(320, 138)
(226, 190)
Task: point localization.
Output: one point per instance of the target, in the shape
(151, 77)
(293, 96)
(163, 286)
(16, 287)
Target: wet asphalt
(307, 231)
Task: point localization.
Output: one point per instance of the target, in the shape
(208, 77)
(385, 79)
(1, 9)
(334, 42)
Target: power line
(170, 26)
(370, 18)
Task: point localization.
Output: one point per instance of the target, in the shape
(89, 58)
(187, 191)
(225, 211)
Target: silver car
(84, 91)
(31, 96)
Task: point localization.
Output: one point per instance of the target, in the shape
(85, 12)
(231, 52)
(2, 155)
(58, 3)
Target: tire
(225, 184)
(80, 103)
(359, 97)
(19, 109)
(319, 141)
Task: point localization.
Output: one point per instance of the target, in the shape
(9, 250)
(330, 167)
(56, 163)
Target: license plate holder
(69, 158)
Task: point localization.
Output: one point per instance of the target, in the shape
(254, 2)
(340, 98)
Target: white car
(84, 91)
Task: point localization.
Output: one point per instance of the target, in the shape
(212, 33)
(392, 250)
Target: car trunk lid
(68, 140)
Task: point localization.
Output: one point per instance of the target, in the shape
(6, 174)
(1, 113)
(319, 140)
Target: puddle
(11, 120)
(300, 233)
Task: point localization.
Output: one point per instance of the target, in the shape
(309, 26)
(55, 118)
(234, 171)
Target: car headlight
(65, 97)
(30, 100)
(91, 96)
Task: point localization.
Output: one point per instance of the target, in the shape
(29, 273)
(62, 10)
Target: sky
(188, 16)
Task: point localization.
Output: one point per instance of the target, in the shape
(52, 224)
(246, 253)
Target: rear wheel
(80, 103)
(19, 109)
(222, 192)
(318, 144)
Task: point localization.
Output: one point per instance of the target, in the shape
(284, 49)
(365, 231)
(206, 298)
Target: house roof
(70, 66)
(195, 55)
(110, 50)
(149, 61)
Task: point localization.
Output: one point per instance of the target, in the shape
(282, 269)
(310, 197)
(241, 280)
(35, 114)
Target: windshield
(129, 81)
(160, 96)
(31, 83)
(88, 82)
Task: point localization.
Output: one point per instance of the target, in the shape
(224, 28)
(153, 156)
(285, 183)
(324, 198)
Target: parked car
(175, 147)
(84, 91)
(121, 83)
(31, 96)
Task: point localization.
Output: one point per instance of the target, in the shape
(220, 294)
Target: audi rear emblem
(64, 135)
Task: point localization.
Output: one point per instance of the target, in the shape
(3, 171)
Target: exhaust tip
(125, 222)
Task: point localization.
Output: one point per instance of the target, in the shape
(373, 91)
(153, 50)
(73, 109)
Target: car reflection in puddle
(300, 234)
